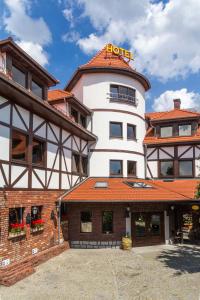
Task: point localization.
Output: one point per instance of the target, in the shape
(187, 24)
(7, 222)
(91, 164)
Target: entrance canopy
(133, 190)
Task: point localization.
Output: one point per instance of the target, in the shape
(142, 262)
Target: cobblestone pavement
(151, 273)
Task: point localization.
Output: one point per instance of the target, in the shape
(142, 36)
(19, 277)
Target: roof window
(140, 185)
(101, 184)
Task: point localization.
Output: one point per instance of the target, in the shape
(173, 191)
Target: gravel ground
(150, 273)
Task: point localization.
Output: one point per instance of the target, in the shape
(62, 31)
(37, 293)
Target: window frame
(178, 166)
(35, 81)
(106, 232)
(166, 176)
(91, 217)
(120, 97)
(22, 71)
(113, 136)
(167, 126)
(26, 150)
(133, 126)
(44, 160)
(132, 175)
(185, 124)
(121, 162)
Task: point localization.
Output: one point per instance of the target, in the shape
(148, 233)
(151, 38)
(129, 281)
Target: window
(37, 89)
(131, 168)
(38, 152)
(101, 184)
(18, 76)
(75, 162)
(131, 132)
(185, 168)
(84, 165)
(140, 226)
(167, 168)
(16, 224)
(86, 222)
(155, 225)
(138, 185)
(115, 167)
(19, 146)
(37, 223)
(166, 131)
(185, 130)
(107, 222)
(74, 115)
(115, 130)
(122, 93)
(83, 121)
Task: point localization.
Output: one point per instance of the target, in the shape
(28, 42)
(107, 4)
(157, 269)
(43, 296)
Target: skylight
(101, 184)
(140, 185)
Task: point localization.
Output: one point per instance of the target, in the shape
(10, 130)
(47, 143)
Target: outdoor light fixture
(52, 215)
(57, 207)
(172, 208)
(28, 219)
(34, 210)
(127, 212)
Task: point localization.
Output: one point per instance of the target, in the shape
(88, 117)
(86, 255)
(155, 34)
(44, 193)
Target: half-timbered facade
(172, 143)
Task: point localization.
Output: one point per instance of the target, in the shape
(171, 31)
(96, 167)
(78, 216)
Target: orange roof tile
(58, 94)
(172, 114)
(118, 191)
(107, 59)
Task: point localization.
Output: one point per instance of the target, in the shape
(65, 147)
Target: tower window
(122, 93)
(116, 167)
(115, 130)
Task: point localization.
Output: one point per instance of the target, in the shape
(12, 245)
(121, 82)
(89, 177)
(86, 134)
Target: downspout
(145, 160)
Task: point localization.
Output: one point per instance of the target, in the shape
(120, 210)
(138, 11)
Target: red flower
(18, 225)
(37, 222)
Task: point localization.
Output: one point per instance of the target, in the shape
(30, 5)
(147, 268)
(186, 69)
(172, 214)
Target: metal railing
(123, 98)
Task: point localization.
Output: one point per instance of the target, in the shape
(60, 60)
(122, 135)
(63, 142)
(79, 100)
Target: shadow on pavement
(183, 259)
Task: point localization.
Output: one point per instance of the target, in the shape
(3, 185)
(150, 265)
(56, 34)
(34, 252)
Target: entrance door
(147, 228)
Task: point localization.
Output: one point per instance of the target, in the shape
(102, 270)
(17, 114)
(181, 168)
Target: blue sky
(64, 34)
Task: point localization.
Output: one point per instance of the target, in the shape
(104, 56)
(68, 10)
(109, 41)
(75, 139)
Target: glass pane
(155, 224)
(185, 130)
(167, 168)
(19, 144)
(36, 89)
(84, 165)
(123, 90)
(107, 222)
(18, 76)
(74, 115)
(140, 226)
(75, 162)
(86, 221)
(38, 152)
(130, 131)
(114, 89)
(166, 131)
(131, 168)
(185, 168)
(115, 129)
(115, 167)
(83, 121)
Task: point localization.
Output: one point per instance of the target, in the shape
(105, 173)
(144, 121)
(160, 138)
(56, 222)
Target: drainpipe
(59, 215)
(145, 160)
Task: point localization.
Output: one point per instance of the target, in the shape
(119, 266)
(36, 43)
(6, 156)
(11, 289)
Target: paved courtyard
(151, 273)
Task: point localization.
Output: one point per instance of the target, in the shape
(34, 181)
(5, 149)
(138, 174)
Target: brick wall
(97, 239)
(18, 248)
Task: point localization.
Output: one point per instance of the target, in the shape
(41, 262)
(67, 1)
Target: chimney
(177, 103)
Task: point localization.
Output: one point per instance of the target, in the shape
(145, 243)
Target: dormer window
(185, 130)
(122, 94)
(166, 131)
(18, 76)
(37, 89)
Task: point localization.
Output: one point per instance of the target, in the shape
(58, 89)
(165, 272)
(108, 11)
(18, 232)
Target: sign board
(119, 51)
(195, 207)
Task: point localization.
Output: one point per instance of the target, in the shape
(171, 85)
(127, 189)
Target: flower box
(17, 229)
(16, 234)
(37, 228)
(37, 225)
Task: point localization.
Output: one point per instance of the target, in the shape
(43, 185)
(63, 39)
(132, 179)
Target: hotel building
(83, 166)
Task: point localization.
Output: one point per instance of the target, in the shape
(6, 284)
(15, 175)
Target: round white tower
(116, 95)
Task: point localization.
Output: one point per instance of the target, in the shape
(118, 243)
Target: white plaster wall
(99, 163)
(153, 166)
(95, 94)
(4, 142)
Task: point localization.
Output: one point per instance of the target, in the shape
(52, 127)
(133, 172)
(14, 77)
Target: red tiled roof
(118, 191)
(172, 114)
(58, 94)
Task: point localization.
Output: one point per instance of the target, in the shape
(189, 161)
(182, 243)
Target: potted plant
(37, 225)
(126, 242)
(17, 229)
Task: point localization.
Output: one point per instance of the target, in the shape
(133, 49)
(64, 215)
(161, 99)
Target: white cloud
(188, 100)
(31, 34)
(71, 37)
(164, 38)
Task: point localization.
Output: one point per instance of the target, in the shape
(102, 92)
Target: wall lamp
(127, 212)
(52, 217)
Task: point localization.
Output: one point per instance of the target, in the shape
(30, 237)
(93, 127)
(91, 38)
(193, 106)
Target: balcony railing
(123, 98)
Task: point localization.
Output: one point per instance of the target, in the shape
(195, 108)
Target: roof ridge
(95, 56)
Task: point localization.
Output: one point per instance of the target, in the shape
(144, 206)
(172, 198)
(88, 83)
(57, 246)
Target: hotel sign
(119, 51)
